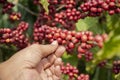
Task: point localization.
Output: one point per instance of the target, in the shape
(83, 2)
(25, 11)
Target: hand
(36, 62)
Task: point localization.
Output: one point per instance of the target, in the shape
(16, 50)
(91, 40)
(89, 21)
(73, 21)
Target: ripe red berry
(80, 50)
(84, 38)
(98, 38)
(71, 45)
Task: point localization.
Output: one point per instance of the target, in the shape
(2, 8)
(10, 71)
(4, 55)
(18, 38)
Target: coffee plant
(88, 29)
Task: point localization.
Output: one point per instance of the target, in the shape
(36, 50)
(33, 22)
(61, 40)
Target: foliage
(105, 23)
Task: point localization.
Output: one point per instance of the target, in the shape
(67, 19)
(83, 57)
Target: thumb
(33, 54)
(46, 50)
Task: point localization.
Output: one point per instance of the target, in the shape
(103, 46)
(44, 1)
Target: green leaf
(104, 74)
(91, 24)
(111, 47)
(72, 59)
(85, 24)
(45, 5)
(96, 74)
(117, 77)
(113, 21)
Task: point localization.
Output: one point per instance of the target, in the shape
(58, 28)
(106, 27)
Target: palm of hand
(34, 63)
(45, 70)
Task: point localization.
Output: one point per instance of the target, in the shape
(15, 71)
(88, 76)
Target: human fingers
(47, 62)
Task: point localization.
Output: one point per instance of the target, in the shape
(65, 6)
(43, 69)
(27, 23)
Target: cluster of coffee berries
(69, 3)
(97, 7)
(42, 19)
(15, 16)
(3, 31)
(88, 56)
(69, 70)
(38, 34)
(102, 63)
(52, 10)
(68, 15)
(6, 6)
(15, 36)
(73, 14)
(60, 17)
(3, 1)
(67, 18)
(100, 38)
(83, 41)
(72, 72)
(55, 9)
(116, 67)
(83, 77)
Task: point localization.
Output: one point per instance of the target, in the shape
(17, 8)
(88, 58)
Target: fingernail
(60, 51)
(49, 73)
(57, 67)
(58, 62)
(58, 71)
(54, 43)
(62, 48)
